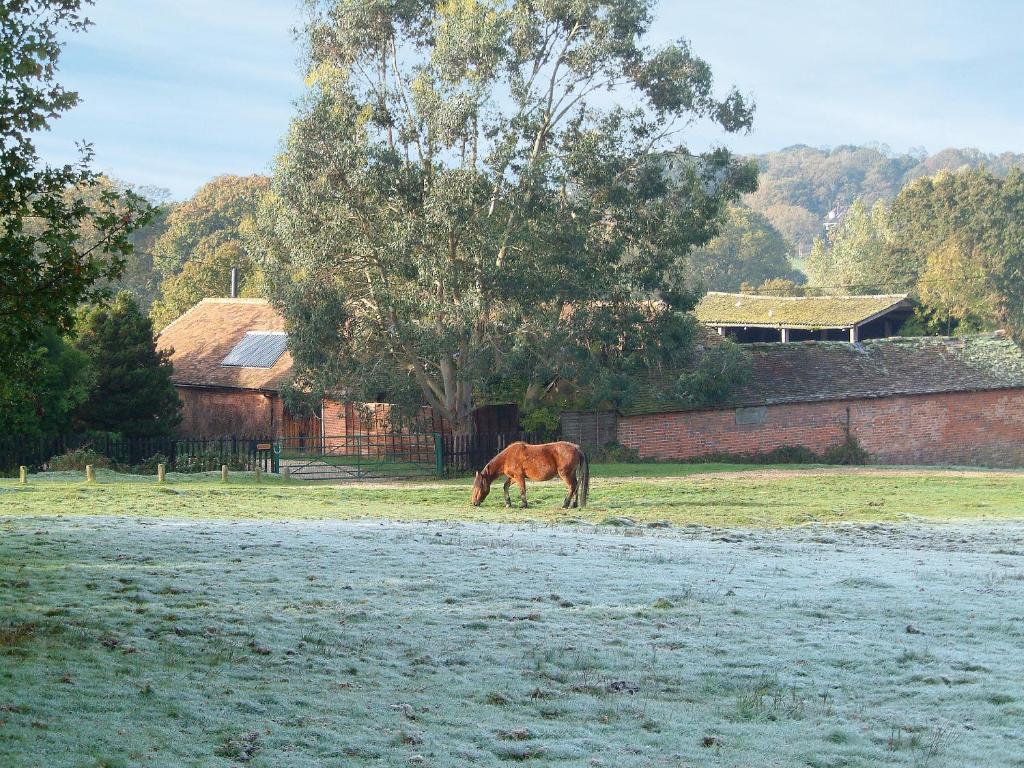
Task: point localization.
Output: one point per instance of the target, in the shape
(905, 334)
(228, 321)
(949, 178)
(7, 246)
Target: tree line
(955, 241)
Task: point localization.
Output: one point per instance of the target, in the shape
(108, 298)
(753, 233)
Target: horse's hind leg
(508, 482)
(570, 484)
(521, 480)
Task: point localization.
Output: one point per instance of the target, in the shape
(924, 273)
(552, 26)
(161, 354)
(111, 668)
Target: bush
(849, 453)
(613, 453)
(210, 461)
(149, 466)
(77, 460)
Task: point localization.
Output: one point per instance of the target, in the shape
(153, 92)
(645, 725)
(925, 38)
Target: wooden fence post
(286, 473)
(223, 473)
(90, 475)
(161, 473)
(258, 473)
(23, 475)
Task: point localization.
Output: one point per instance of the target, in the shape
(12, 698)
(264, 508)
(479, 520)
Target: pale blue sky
(178, 91)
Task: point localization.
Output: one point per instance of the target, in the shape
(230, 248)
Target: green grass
(702, 494)
(128, 641)
(197, 624)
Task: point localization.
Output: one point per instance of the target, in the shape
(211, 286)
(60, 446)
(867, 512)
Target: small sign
(756, 415)
(263, 446)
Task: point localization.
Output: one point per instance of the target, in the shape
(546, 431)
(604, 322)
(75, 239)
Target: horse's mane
(486, 471)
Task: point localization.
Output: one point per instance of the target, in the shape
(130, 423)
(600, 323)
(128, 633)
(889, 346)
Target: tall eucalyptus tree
(475, 188)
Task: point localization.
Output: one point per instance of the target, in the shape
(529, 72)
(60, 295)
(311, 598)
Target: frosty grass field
(784, 618)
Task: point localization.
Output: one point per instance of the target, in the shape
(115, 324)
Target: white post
(161, 473)
(785, 335)
(853, 335)
(23, 475)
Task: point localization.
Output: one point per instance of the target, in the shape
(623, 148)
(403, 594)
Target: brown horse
(537, 462)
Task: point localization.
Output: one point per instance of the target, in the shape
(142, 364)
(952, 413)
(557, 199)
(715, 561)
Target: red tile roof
(203, 337)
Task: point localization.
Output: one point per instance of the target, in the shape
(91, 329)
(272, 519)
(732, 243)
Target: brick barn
(924, 400)
(231, 359)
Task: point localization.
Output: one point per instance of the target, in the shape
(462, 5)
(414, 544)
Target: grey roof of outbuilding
(814, 371)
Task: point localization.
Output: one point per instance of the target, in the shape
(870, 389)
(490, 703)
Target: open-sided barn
(752, 318)
(925, 400)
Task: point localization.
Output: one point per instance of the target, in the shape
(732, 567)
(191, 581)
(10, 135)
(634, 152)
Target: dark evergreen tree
(133, 393)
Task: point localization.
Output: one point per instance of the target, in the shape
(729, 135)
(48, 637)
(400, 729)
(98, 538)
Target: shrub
(849, 453)
(149, 466)
(77, 460)
(613, 453)
(209, 461)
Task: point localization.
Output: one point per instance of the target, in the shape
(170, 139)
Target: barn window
(258, 349)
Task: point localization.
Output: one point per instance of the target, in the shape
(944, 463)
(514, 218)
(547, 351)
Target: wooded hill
(799, 185)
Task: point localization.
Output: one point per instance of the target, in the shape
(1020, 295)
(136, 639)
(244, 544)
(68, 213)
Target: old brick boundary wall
(983, 428)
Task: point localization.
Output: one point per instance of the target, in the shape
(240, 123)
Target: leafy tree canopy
(964, 234)
(955, 241)
(56, 379)
(212, 217)
(460, 196)
(857, 257)
(747, 250)
(47, 266)
(203, 238)
(132, 393)
(138, 274)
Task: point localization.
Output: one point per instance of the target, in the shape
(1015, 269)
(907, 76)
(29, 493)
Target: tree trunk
(458, 398)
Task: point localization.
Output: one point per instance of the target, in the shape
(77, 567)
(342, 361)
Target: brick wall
(219, 413)
(971, 428)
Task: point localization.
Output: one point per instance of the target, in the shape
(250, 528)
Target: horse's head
(481, 487)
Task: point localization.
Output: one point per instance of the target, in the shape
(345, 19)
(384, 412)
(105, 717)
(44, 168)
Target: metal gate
(369, 456)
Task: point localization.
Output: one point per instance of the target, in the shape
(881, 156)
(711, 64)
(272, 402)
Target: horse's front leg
(508, 482)
(521, 480)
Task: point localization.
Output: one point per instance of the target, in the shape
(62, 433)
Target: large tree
(483, 186)
(857, 256)
(748, 250)
(132, 393)
(963, 232)
(203, 238)
(59, 380)
(47, 267)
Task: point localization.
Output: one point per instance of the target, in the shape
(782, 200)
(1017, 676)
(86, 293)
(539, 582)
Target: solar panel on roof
(258, 349)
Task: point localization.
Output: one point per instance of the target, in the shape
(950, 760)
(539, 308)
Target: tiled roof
(204, 336)
(814, 371)
(807, 312)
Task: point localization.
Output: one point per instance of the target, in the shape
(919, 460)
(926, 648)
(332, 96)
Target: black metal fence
(468, 453)
(349, 457)
(178, 454)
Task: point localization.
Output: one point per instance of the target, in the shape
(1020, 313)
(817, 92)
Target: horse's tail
(583, 478)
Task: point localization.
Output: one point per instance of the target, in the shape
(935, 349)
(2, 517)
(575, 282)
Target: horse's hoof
(524, 505)
(508, 505)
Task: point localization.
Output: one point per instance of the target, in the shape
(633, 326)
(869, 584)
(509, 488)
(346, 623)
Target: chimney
(234, 282)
